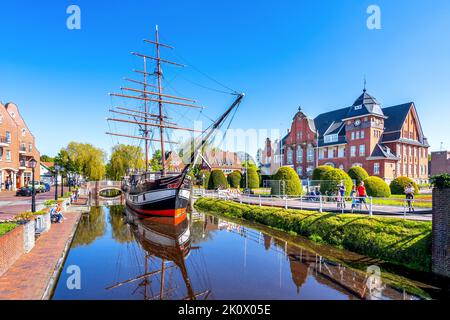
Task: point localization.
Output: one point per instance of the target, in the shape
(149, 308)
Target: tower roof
(365, 104)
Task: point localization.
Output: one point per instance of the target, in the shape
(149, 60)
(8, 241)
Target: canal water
(116, 255)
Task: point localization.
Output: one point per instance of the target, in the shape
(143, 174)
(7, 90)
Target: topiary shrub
(253, 178)
(331, 181)
(291, 186)
(234, 179)
(377, 187)
(200, 177)
(216, 180)
(320, 171)
(358, 174)
(399, 184)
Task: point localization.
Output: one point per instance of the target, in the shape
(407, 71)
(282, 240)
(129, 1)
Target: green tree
(290, 183)
(332, 179)
(320, 171)
(216, 180)
(358, 174)
(124, 158)
(45, 158)
(156, 161)
(377, 187)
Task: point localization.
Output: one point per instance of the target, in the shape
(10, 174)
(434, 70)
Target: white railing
(365, 205)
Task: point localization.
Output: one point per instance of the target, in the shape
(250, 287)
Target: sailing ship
(160, 193)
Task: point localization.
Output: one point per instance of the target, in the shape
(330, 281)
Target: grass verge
(397, 241)
(6, 227)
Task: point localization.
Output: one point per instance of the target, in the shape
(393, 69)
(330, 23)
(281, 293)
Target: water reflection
(123, 256)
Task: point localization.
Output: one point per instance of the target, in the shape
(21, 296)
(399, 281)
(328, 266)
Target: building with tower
(386, 142)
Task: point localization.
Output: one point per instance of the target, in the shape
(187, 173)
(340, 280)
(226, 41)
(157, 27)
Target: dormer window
(24, 132)
(331, 138)
(358, 107)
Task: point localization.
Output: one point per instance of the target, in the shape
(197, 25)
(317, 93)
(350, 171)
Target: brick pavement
(28, 278)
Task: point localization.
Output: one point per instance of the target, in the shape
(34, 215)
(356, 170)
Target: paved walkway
(29, 277)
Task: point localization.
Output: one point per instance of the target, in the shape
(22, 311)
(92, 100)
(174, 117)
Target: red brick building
(221, 160)
(440, 162)
(17, 148)
(387, 142)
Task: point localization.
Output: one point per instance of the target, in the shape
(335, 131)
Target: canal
(116, 255)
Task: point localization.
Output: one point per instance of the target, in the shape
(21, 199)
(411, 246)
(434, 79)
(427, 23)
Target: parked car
(39, 186)
(24, 192)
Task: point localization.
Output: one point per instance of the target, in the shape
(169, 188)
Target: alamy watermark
(74, 20)
(374, 20)
(74, 279)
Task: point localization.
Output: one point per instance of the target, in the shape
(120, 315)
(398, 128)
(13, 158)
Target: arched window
(299, 154)
(310, 153)
(290, 154)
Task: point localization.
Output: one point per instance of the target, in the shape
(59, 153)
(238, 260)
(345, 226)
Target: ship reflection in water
(123, 256)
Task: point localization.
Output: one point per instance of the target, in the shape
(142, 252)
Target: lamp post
(57, 168)
(33, 188)
(62, 182)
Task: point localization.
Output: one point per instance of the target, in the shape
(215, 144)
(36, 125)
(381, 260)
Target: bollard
(370, 207)
(321, 204)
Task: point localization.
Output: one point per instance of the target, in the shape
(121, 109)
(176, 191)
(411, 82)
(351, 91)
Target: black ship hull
(162, 197)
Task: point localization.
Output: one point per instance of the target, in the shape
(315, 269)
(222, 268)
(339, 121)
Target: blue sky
(282, 54)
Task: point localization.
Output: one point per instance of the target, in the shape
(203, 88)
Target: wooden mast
(146, 111)
(161, 118)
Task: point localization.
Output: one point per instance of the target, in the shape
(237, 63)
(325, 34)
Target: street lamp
(33, 164)
(57, 168)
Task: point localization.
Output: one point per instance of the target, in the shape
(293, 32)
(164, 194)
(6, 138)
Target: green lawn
(398, 241)
(6, 227)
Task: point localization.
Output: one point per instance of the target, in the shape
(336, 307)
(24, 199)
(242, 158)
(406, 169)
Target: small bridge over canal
(96, 188)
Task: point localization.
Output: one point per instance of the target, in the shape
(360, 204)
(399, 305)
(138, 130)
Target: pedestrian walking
(409, 191)
(341, 195)
(362, 195)
(354, 197)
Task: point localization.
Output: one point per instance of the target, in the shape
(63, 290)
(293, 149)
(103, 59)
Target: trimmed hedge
(441, 181)
(253, 178)
(320, 171)
(377, 187)
(207, 176)
(293, 185)
(397, 241)
(216, 180)
(399, 184)
(234, 179)
(358, 174)
(331, 181)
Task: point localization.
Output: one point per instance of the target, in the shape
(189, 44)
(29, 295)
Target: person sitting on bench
(56, 214)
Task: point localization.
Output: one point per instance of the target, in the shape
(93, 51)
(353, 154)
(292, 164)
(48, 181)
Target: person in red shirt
(362, 194)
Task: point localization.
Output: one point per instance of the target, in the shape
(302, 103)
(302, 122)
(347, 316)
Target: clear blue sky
(282, 54)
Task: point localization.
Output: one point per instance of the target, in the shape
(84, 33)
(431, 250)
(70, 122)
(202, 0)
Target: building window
(299, 171)
(353, 151)
(353, 136)
(398, 169)
(376, 168)
(322, 153)
(299, 154)
(410, 151)
(310, 153)
(362, 134)
(24, 132)
(309, 171)
(330, 153)
(331, 138)
(8, 137)
(404, 151)
(362, 150)
(409, 170)
(30, 147)
(399, 151)
(415, 152)
(289, 156)
(8, 155)
(341, 152)
(357, 135)
(1, 155)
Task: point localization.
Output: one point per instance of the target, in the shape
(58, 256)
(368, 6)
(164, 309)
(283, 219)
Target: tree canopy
(123, 158)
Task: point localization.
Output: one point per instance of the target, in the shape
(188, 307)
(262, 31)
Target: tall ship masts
(161, 193)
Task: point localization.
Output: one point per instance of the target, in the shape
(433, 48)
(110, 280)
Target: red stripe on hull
(161, 213)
